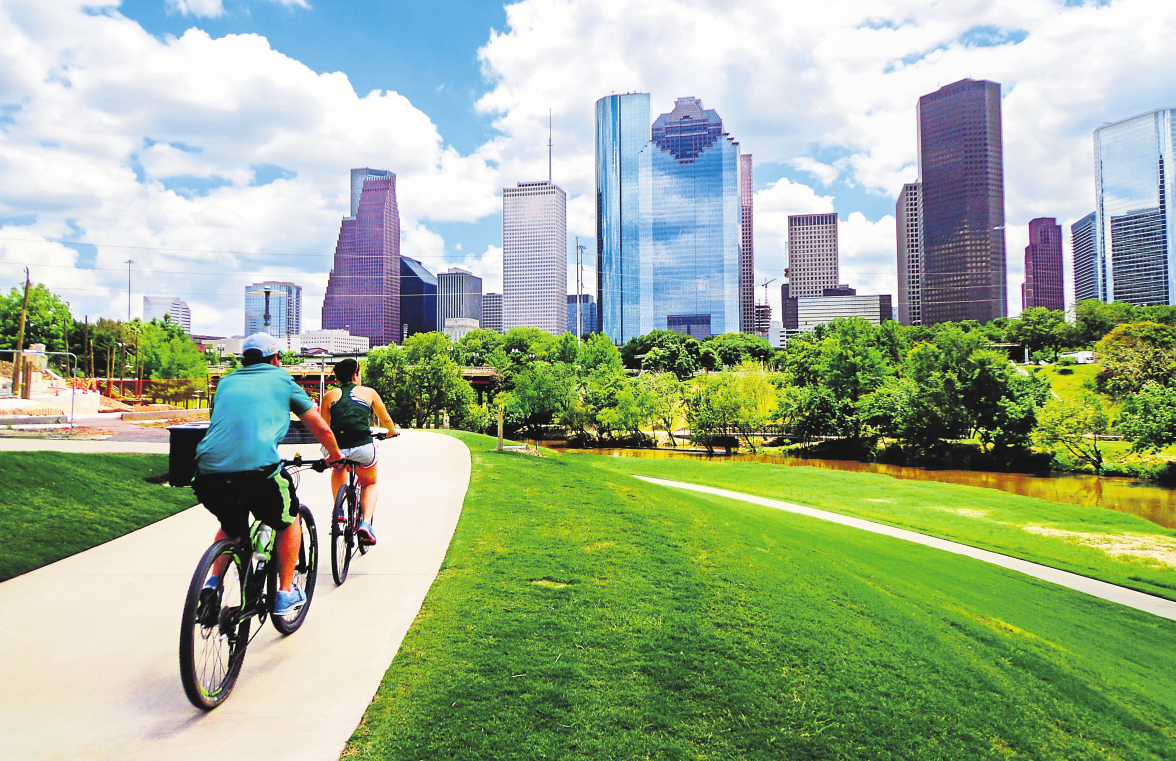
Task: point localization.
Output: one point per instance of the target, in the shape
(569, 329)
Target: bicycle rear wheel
(213, 631)
(342, 533)
(305, 574)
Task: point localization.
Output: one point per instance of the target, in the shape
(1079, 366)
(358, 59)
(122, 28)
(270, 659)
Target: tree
(712, 405)
(418, 391)
(1134, 354)
(1075, 425)
(733, 349)
(541, 391)
(633, 404)
(1094, 319)
(1039, 329)
(1149, 418)
(666, 401)
(758, 409)
(47, 322)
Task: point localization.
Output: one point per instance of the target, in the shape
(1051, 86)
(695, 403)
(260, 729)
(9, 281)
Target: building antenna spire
(549, 146)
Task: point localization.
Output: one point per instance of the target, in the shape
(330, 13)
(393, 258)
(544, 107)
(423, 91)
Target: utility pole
(18, 357)
(129, 262)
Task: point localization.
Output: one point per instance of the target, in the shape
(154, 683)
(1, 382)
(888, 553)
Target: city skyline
(228, 187)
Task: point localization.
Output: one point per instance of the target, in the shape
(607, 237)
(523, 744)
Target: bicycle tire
(211, 655)
(305, 574)
(341, 534)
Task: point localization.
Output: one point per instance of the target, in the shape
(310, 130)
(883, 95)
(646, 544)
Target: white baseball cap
(263, 342)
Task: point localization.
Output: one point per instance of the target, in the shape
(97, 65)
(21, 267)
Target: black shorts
(232, 496)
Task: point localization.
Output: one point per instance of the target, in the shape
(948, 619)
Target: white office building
(174, 309)
(535, 257)
(330, 341)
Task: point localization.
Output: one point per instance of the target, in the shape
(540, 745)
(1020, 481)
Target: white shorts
(364, 456)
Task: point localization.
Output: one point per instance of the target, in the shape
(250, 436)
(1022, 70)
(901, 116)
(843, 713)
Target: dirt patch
(968, 512)
(1144, 546)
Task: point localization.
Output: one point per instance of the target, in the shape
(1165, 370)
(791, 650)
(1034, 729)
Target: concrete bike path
(1112, 592)
(89, 645)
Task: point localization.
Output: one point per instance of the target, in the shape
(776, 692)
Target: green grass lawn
(986, 518)
(55, 504)
(583, 614)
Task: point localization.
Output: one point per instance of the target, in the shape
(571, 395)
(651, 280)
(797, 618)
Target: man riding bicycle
(238, 469)
(348, 410)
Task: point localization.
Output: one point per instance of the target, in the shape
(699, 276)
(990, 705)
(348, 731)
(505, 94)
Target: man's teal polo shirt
(250, 417)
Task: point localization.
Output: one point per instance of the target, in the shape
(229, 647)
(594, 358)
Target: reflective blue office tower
(690, 212)
(622, 130)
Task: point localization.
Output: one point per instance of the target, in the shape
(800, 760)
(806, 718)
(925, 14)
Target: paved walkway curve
(1129, 597)
(88, 645)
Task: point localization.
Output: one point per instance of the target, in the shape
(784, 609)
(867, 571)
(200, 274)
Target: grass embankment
(1069, 537)
(56, 504)
(582, 614)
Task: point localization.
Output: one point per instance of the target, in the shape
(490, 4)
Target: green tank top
(350, 416)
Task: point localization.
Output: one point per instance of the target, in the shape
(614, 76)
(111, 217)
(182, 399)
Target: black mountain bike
(214, 631)
(344, 539)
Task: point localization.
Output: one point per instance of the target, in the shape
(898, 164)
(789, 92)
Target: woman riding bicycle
(348, 410)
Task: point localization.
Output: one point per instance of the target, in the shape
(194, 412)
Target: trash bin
(181, 458)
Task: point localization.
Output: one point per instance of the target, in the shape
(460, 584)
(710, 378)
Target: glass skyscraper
(175, 309)
(1135, 214)
(285, 306)
(1084, 248)
(459, 296)
(690, 237)
(363, 290)
(622, 130)
(1043, 285)
(418, 298)
(961, 170)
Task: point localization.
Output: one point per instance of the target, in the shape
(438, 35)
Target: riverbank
(584, 614)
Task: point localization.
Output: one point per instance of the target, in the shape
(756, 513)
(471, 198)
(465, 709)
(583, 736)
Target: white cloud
(199, 8)
(116, 138)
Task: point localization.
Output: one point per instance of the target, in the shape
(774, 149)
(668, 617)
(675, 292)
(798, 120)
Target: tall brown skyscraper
(747, 316)
(961, 168)
(1043, 266)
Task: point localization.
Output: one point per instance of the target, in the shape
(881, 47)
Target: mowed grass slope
(1104, 544)
(583, 614)
(56, 504)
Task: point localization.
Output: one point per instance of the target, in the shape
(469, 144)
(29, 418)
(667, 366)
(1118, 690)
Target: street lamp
(265, 291)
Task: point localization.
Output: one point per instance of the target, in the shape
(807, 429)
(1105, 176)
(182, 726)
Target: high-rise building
(1084, 249)
(747, 245)
(622, 130)
(812, 253)
(961, 168)
(174, 309)
(1136, 208)
(363, 290)
(763, 318)
(418, 298)
(285, 307)
(908, 216)
(534, 257)
(459, 296)
(806, 313)
(1044, 286)
(587, 314)
(492, 312)
(690, 232)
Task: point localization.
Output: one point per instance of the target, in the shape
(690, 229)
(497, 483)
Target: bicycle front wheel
(305, 574)
(342, 533)
(213, 631)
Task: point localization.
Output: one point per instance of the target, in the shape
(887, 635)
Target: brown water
(1147, 500)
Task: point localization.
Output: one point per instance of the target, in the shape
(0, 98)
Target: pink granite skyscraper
(1043, 266)
(363, 292)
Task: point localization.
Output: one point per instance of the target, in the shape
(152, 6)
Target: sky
(209, 142)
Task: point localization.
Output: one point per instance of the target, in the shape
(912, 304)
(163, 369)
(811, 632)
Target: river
(1147, 500)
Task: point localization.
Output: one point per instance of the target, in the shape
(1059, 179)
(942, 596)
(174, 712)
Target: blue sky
(214, 158)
